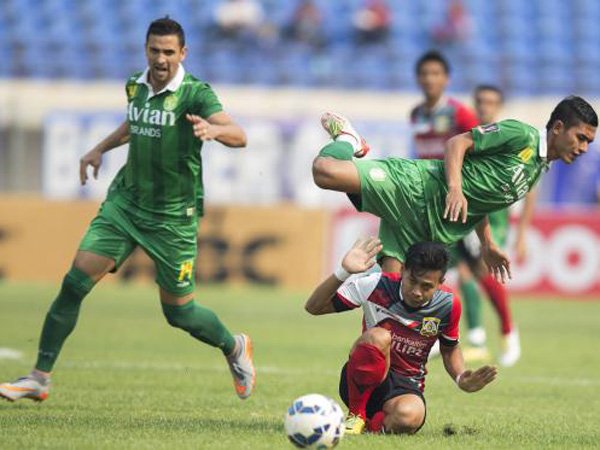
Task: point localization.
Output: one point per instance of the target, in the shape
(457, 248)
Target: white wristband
(341, 274)
(457, 379)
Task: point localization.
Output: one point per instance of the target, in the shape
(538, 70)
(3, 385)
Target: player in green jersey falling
(484, 170)
(154, 203)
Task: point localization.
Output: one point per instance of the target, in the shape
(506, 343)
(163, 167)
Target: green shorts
(172, 246)
(392, 189)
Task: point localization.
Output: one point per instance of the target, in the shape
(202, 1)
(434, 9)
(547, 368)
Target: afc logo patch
(430, 326)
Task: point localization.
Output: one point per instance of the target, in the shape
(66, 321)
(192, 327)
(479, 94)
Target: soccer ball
(314, 421)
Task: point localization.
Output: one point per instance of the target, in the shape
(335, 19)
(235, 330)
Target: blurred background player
(384, 378)
(154, 202)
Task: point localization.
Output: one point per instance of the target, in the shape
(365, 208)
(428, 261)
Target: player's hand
(456, 205)
(470, 381)
(92, 158)
(203, 130)
(497, 262)
(361, 257)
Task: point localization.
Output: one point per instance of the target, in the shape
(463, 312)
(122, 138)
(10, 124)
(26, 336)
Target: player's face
(418, 288)
(488, 105)
(164, 53)
(432, 79)
(570, 143)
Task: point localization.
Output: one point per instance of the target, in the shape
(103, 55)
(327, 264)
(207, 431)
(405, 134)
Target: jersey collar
(173, 85)
(543, 148)
(543, 145)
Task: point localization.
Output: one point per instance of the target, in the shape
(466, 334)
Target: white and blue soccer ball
(314, 421)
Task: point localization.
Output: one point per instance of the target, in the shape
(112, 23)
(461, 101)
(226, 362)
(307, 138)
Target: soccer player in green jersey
(154, 203)
(484, 170)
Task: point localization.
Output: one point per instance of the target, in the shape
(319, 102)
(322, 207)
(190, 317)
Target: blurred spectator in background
(239, 20)
(372, 22)
(456, 27)
(306, 24)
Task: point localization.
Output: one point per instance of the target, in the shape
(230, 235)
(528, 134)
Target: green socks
(62, 317)
(201, 323)
(338, 150)
(472, 302)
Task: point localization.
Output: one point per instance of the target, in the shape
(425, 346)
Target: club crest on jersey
(430, 326)
(170, 102)
(526, 154)
(131, 90)
(441, 124)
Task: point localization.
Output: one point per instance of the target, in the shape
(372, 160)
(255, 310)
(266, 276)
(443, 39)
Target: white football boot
(512, 349)
(340, 128)
(241, 366)
(25, 387)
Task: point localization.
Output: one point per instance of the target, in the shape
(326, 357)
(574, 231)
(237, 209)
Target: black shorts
(394, 385)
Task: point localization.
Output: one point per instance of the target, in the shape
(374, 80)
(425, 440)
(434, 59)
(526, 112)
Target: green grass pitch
(128, 380)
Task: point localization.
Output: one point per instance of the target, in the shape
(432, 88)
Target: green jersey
(506, 162)
(162, 178)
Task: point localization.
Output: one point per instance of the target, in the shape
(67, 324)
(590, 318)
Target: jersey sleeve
(206, 102)
(356, 290)
(465, 119)
(450, 334)
(507, 136)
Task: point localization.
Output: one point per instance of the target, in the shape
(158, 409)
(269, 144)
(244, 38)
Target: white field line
(315, 371)
(10, 353)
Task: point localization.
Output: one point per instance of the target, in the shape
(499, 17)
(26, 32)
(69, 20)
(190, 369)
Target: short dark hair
(572, 110)
(432, 56)
(489, 87)
(426, 256)
(166, 26)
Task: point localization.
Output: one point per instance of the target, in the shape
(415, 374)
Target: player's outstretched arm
(456, 203)
(220, 127)
(94, 157)
(467, 380)
(360, 258)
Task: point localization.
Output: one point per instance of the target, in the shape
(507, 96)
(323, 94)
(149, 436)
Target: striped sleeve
(357, 289)
(450, 333)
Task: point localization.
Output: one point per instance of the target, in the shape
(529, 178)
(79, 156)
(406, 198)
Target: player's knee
(377, 336)
(404, 419)
(322, 172)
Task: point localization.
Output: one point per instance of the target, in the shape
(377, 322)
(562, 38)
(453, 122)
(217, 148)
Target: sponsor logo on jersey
(430, 326)
(489, 128)
(170, 102)
(526, 154)
(186, 271)
(150, 116)
(377, 174)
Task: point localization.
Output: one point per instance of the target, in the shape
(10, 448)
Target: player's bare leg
(367, 367)
(391, 265)
(88, 268)
(203, 324)
(403, 414)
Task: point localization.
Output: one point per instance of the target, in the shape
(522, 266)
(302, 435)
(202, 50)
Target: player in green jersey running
(154, 203)
(484, 170)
